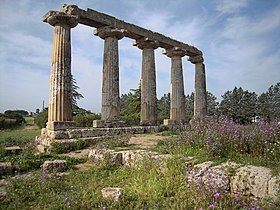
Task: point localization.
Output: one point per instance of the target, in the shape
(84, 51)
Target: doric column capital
(107, 31)
(55, 17)
(196, 59)
(174, 52)
(145, 42)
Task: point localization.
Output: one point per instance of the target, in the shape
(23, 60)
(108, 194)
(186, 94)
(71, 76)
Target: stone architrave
(60, 96)
(110, 82)
(148, 115)
(200, 97)
(177, 96)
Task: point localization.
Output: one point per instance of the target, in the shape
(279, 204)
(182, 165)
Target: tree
(131, 106)
(239, 105)
(189, 106)
(163, 106)
(20, 112)
(269, 103)
(76, 96)
(212, 105)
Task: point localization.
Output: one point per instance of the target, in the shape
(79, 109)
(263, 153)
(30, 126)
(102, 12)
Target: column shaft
(200, 97)
(148, 114)
(110, 84)
(60, 97)
(177, 96)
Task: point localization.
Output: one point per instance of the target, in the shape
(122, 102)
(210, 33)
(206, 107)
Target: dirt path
(145, 140)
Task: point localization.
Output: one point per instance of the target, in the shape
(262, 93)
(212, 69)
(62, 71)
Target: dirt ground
(145, 140)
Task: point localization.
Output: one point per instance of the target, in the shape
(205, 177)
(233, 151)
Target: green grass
(17, 137)
(147, 186)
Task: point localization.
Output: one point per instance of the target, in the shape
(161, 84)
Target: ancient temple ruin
(111, 29)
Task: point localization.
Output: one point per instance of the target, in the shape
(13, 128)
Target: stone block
(13, 150)
(6, 168)
(60, 125)
(112, 194)
(168, 122)
(106, 156)
(274, 187)
(251, 180)
(55, 166)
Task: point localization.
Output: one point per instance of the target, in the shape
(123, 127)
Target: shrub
(11, 120)
(42, 119)
(220, 136)
(86, 119)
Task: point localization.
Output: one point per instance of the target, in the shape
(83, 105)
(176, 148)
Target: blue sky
(239, 39)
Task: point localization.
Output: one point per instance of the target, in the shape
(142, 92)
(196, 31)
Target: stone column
(200, 97)
(148, 115)
(60, 97)
(110, 81)
(177, 96)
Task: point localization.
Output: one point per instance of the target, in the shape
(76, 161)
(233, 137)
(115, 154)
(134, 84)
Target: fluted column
(148, 115)
(200, 97)
(110, 80)
(60, 96)
(177, 96)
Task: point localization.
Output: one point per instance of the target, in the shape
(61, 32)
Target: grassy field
(145, 186)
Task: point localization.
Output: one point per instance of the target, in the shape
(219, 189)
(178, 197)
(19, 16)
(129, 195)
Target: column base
(174, 122)
(60, 125)
(108, 123)
(147, 123)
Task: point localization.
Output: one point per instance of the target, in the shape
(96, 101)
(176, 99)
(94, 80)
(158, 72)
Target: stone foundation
(89, 136)
(108, 123)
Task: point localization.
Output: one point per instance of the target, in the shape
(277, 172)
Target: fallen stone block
(251, 180)
(106, 156)
(13, 150)
(112, 194)
(6, 168)
(55, 166)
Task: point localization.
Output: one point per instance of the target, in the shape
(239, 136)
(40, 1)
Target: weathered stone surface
(251, 180)
(96, 19)
(6, 168)
(113, 194)
(3, 192)
(55, 166)
(148, 114)
(106, 156)
(110, 77)
(13, 150)
(177, 96)
(134, 157)
(199, 169)
(60, 98)
(274, 186)
(216, 179)
(200, 97)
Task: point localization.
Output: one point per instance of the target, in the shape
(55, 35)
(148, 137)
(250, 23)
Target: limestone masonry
(111, 29)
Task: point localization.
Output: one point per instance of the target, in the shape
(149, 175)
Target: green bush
(86, 119)
(42, 119)
(11, 120)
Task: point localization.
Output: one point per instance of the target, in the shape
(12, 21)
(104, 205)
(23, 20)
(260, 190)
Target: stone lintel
(146, 43)
(96, 19)
(60, 125)
(174, 52)
(54, 17)
(196, 59)
(107, 31)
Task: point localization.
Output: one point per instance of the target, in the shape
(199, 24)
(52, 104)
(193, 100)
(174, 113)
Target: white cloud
(231, 6)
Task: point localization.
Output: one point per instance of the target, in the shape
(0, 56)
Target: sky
(239, 40)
